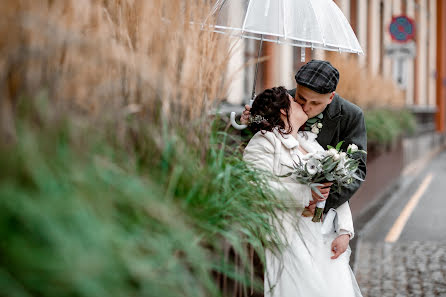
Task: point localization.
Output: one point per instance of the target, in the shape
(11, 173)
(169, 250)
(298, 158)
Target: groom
(333, 119)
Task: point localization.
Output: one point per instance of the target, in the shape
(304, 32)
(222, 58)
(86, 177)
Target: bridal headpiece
(257, 119)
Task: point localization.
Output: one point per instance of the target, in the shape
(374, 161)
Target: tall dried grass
(110, 58)
(360, 87)
(101, 196)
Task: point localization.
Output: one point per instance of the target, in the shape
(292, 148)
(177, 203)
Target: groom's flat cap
(319, 76)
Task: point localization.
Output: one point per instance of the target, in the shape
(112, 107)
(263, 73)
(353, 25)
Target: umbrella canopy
(303, 23)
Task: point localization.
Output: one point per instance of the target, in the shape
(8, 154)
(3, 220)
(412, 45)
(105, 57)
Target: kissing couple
(289, 124)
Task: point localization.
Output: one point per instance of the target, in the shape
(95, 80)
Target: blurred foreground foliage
(81, 216)
(114, 181)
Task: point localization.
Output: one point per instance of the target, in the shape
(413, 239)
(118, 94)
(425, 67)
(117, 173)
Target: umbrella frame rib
(319, 24)
(246, 16)
(309, 43)
(284, 21)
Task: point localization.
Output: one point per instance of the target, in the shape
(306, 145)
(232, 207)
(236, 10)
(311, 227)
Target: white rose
(336, 157)
(315, 130)
(319, 125)
(353, 147)
(332, 152)
(342, 161)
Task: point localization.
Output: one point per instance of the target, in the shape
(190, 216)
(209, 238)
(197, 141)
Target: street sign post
(402, 48)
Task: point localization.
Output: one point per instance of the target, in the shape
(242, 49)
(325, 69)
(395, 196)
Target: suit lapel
(329, 128)
(330, 122)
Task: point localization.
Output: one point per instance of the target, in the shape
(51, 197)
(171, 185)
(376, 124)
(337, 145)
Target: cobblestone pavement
(402, 269)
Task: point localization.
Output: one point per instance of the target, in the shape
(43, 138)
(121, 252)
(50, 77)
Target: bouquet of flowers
(332, 165)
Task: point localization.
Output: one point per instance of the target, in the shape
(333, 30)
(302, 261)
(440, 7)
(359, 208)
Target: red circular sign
(402, 29)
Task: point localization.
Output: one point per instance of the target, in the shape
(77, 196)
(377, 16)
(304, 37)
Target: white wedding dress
(303, 267)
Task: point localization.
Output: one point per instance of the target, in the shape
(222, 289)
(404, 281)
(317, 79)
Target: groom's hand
(325, 191)
(339, 245)
(245, 115)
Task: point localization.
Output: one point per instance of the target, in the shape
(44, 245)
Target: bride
(315, 259)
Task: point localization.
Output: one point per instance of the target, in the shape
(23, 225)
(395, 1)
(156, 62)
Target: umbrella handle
(235, 124)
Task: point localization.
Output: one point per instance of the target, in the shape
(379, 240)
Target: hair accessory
(256, 119)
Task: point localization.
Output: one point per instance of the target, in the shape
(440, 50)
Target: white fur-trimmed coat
(276, 154)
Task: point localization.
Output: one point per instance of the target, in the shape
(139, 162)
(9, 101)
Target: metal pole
(253, 94)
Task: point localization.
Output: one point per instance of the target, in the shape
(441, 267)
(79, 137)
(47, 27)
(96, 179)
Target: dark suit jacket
(343, 121)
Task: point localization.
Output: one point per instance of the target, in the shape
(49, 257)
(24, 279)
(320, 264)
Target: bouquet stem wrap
(318, 211)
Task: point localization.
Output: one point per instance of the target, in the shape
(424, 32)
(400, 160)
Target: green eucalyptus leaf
(329, 176)
(338, 146)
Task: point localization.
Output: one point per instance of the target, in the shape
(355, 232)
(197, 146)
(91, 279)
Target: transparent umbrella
(303, 23)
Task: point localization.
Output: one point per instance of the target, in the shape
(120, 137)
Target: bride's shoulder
(263, 138)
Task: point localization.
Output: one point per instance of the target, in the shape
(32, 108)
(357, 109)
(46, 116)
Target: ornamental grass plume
(359, 86)
(109, 58)
(383, 102)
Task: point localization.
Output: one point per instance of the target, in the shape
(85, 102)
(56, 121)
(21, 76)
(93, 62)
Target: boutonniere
(316, 128)
(314, 124)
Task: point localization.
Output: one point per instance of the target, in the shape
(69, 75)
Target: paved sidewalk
(402, 269)
(411, 262)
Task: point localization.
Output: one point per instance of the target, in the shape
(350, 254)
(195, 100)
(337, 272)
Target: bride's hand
(339, 245)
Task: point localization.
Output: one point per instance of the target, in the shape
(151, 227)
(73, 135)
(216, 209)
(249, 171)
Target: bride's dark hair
(265, 111)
